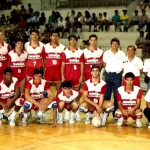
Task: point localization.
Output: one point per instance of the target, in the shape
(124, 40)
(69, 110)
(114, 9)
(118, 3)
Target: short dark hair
(115, 40)
(54, 31)
(33, 30)
(67, 84)
(95, 66)
(129, 75)
(19, 40)
(38, 71)
(72, 36)
(93, 36)
(131, 46)
(8, 70)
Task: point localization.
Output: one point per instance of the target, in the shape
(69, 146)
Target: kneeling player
(33, 94)
(129, 101)
(93, 96)
(9, 93)
(68, 99)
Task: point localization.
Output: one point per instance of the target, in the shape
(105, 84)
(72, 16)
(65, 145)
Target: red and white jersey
(61, 96)
(52, 55)
(7, 92)
(35, 54)
(36, 92)
(17, 61)
(92, 58)
(4, 49)
(72, 62)
(128, 100)
(134, 66)
(94, 91)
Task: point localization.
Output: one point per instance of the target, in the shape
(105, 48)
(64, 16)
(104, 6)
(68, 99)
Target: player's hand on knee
(5, 107)
(98, 108)
(125, 112)
(41, 108)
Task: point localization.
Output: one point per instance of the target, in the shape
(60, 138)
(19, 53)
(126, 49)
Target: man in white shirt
(112, 62)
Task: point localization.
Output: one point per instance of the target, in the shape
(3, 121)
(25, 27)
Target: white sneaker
(12, 122)
(21, 115)
(87, 118)
(60, 118)
(120, 121)
(1, 117)
(148, 125)
(24, 122)
(29, 114)
(66, 115)
(138, 123)
(42, 121)
(104, 118)
(71, 120)
(78, 118)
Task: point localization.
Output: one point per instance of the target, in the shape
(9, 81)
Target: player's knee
(118, 114)
(61, 104)
(138, 114)
(53, 104)
(20, 101)
(75, 106)
(110, 108)
(83, 107)
(27, 105)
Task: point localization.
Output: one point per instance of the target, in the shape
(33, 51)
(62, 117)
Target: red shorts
(87, 76)
(30, 71)
(5, 101)
(52, 74)
(75, 82)
(136, 81)
(66, 105)
(93, 108)
(19, 74)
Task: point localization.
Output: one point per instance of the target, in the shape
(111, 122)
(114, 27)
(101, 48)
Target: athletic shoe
(138, 123)
(66, 115)
(1, 117)
(60, 118)
(104, 118)
(29, 114)
(12, 122)
(24, 122)
(78, 118)
(148, 125)
(120, 121)
(87, 118)
(71, 120)
(21, 115)
(42, 121)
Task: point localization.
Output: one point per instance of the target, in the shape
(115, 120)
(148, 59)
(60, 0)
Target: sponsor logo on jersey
(2, 58)
(36, 95)
(94, 94)
(92, 61)
(74, 61)
(34, 56)
(18, 64)
(56, 56)
(7, 95)
(129, 102)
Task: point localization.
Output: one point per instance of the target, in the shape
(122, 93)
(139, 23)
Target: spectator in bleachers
(30, 9)
(134, 20)
(140, 40)
(22, 23)
(88, 19)
(35, 18)
(25, 37)
(51, 18)
(94, 21)
(146, 52)
(54, 24)
(22, 8)
(42, 19)
(143, 20)
(72, 20)
(123, 20)
(9, 3)
(105, 22)
(57, 15)
(46, 37)
(116, 19)
(99, 20)
(147, 38)
(3, 20)
(144, 4)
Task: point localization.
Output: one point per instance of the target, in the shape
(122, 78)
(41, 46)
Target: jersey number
(19, 70)
(54, 62)
(34, 63)
(95, 101)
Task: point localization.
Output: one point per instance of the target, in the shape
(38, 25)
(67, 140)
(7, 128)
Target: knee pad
(52, 105)
(27, 105)
(139, 115)
(118, 115)
(45, 94)
(110, 109)
(20, 101)
(83, 110)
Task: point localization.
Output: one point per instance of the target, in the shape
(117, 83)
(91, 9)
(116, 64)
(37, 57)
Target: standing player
(9, 93)
(132, 63)
(4, 49)
(52, 59)
(129, 101)
(17, 61)
(93, 96)
(92, 56)
(67, 98)
(33, 94)
(72, 67)
(34, 50)
(112, 62)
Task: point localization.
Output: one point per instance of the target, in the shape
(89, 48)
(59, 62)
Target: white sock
(26, 115)
(13, 114)
(72, 114)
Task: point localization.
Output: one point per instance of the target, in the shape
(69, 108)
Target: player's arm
(101, 100)
(16, 96)
(82, 72)
(63, 58)
(104, 64)
(51, 96)
(148, 104)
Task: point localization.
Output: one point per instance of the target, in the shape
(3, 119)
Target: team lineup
(27, 71)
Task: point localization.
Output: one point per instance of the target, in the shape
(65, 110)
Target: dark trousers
(113, 82)
(147, 113)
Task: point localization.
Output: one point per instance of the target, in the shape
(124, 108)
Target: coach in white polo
(112, 62)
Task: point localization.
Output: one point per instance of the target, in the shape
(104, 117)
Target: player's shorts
(20, 75)
(67, 105)
(30, 71)
(87, 76)
(75, 82)
(5, 101)
(93, 108)
(136, 81)
(52, 74)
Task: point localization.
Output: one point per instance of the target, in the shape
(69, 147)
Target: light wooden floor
(79, 136)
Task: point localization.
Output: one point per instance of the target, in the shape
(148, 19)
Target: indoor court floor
(78, 136)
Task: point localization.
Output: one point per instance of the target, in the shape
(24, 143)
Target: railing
(82, 3)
